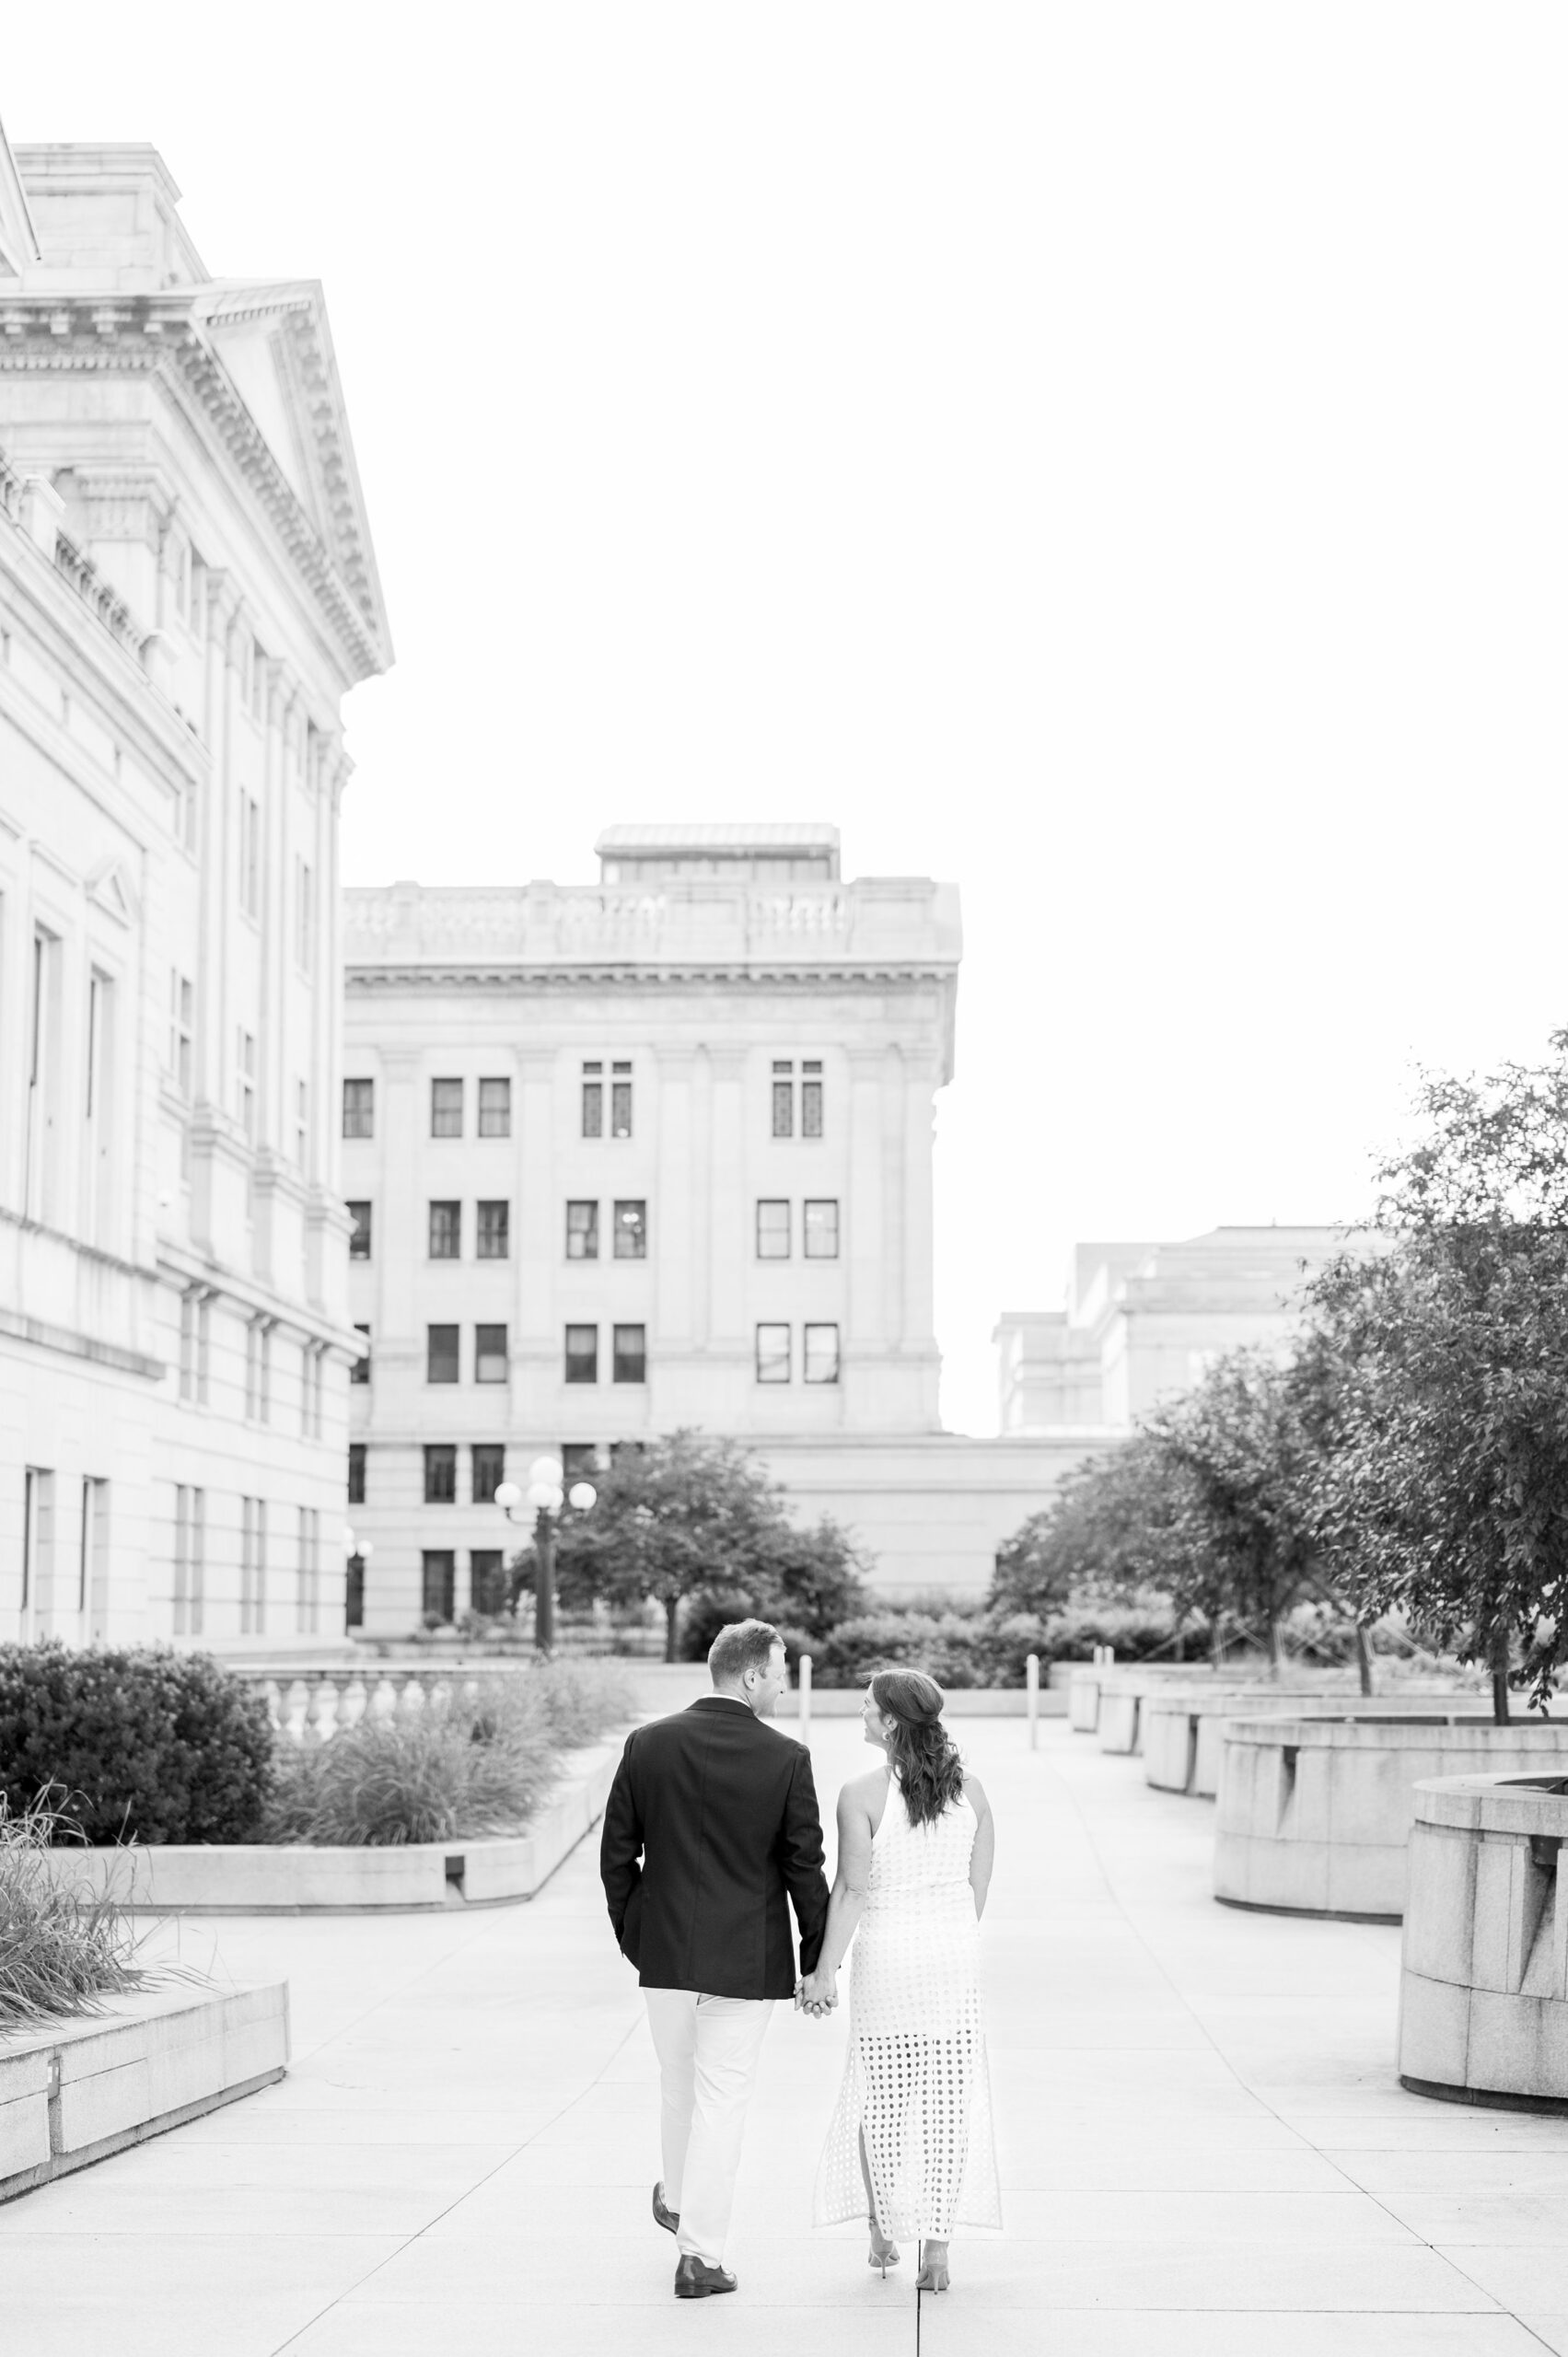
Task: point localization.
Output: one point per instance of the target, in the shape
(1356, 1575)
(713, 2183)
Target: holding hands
(817, 1992)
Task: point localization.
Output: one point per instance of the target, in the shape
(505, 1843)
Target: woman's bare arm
(851, 1881)
(982, 1857)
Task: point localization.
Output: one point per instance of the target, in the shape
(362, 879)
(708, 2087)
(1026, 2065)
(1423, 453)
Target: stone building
(187, 592)
(1144, 1321)
(651, 1153)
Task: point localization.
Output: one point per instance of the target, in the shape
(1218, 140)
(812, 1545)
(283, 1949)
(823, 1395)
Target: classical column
(678, 1225)
(539, 1245)
(723, 1246)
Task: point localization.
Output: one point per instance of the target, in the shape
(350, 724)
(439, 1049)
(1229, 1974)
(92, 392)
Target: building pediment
(110, 889)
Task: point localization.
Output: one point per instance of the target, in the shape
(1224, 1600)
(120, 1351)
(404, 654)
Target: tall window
(773, 1354)
(784, 1100)
(487, 1580)
(359, 1242)
(446, 1109)
(360, 1371)
(301, 1121)
(190, 1560)
(620, 1100)
(245, 1083)
(593, 1100)
(492, 1234)
(252, 1566)
(811, 1099)
(495, 1109)
(820, 1354)
(303, 915)
(359, 1108)
(181, 1032)
(582, 1231)
(441, 1354)
(311, 1358)
(357, 1472)
(440, 1474)
(488, 1468)
(307, 1590)
(188, 1305)
(249, 856)
(438, 1582)
(772, 1228)
(44, 1076)
(631, 1231)
(92, 1562)
(490, 1354)
(258, 1370)
(630, 1353)
(821, 1227)
(582, 1354)
(446, 1231)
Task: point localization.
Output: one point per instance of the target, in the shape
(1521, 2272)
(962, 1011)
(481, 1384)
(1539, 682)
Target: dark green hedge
(138, 1743)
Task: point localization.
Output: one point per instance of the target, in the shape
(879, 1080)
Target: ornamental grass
(63, 1943)
(476, 1768)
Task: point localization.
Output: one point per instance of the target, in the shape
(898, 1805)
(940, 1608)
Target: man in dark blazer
(711, 1820)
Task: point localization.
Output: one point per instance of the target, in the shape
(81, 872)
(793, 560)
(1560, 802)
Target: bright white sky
(1110, 455)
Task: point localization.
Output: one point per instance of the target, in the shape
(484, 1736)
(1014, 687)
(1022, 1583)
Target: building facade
(651, 1154)
(1144, 1322)
(187, 593)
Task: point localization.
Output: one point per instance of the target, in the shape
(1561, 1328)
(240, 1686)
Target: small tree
(1447, 1496)
(1118, 1525)
(690, 1513)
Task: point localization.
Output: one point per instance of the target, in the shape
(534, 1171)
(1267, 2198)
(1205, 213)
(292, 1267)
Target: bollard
(805, 1698)
(1031, 1693)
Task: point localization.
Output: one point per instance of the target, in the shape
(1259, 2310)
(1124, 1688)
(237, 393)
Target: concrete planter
(1315, 1814)
(1126, 1695)
(1184, 1727)
(74, 2091)
(289, 1878)
(1483, 1989)
(1093, 1699)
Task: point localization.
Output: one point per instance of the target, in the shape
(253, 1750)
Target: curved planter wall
(1129, 1695)
(1483, 1987)
(1315, 1814)
(1105, 1702)
(1184, 1729)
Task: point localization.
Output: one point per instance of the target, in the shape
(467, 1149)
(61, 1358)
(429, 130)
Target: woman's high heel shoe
(933, 2276)
(884, 2254)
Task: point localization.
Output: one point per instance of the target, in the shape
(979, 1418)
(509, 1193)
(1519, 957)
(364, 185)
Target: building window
(490, 1354)
(446, 1231)
(245, 1075)
(821, 1228)
(620, 1100)
(440, 1354)
(820, 1354)
(772, 1228)
(632, 1231)
(252, 1566)
(487, 1581)
(812, 1100)
(307, 1587)
(189, 1305)
(438, 1580)
(579, 1460)
(249, 856)
(357, 1472)
(353, 1594)
(181, 1032)
(582, 1231)
(301, 1123)
(630, 1353)
(582, 1354)
(493, 1234)
(784, 1100)
(446, 1109)
(489, 1470)
(360, 1371)
(258, 1371)
(440, 1474)
(359, 1108)
(311, 1358)
(190, 1560)
(593, 1100)
(773, 1354)
(359, 1242)
(495, 1109)
(304, 915)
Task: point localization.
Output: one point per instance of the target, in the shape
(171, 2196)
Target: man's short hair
(740, 1645)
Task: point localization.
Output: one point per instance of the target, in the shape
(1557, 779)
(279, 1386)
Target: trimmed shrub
(61, 1946)
(141, 1744)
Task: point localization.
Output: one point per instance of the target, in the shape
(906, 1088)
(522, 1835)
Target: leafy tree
(1117, 1525)
(1447, 1495)
(691, 1513)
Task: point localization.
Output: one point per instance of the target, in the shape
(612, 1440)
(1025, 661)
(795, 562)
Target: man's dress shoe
(695, 2279)
(663, 2215)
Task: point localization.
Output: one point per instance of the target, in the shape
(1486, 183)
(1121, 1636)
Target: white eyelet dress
(915, 2074)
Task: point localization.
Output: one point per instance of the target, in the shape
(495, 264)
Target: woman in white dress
(910, 2145)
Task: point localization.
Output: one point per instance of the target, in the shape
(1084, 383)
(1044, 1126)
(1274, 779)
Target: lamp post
(546, 1496)
(355, 1550)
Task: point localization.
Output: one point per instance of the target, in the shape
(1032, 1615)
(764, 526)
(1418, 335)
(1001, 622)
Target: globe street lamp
(546, 1496)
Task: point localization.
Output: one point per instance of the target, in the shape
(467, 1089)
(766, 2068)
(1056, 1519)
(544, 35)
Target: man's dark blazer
(711, 1819)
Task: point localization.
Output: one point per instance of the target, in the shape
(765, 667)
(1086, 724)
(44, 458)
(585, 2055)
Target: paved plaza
(1202, 2143)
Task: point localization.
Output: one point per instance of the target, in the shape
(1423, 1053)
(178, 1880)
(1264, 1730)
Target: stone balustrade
(312, 1705)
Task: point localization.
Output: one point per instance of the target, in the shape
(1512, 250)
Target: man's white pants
(708, 2049)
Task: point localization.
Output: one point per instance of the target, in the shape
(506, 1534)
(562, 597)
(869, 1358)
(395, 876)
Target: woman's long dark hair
(921, 1752)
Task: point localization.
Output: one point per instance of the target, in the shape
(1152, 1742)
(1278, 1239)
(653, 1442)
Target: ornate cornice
(365, 979)
(176, 335)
